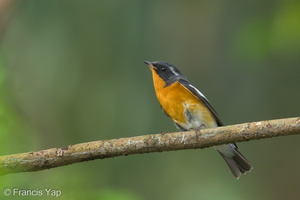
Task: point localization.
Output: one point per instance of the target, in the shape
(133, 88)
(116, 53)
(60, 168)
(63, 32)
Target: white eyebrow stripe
(173, 71)
(198, 91)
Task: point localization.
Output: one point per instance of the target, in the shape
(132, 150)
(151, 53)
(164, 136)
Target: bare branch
(56, 157)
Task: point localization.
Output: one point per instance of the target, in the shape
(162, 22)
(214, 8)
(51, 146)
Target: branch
(56, 157)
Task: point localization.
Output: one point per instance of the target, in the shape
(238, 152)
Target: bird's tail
(237, 163)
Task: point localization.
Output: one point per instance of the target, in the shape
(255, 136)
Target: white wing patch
(200, 93)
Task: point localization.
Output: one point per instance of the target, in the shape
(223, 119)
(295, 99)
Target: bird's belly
(197, 116)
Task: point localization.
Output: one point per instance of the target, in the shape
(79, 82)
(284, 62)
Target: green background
(73, 71)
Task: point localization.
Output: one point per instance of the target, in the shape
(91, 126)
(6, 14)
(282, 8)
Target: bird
(190, 109)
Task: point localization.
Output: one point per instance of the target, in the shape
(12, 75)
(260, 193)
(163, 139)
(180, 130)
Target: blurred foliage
(73, 72)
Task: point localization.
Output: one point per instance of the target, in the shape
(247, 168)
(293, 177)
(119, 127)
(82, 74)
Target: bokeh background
(73, 71)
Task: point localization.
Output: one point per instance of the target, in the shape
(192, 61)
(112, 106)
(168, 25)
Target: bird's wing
(202, 98)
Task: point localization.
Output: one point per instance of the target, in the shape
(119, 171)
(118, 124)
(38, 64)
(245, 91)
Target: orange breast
(174, 99)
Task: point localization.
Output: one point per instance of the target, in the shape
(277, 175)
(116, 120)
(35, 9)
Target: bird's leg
(197, 130)
(201, 126)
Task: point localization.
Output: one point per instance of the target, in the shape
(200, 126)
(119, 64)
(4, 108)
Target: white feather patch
(198, 92)
(173, 71)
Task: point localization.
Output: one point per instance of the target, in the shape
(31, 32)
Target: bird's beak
(149, 64)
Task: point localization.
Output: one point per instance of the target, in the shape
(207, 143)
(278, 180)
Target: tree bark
(56, 157)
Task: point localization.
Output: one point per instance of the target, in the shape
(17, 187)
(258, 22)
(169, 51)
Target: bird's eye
(163, 69)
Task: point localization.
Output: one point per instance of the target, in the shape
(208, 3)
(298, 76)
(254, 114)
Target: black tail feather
(237, 163)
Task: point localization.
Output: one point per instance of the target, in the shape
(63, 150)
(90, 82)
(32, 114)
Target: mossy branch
(56, 157)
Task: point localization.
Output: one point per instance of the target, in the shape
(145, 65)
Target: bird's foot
(197, 130)
(201, 126)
